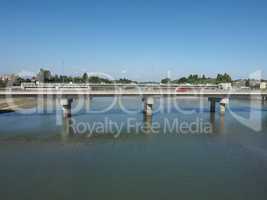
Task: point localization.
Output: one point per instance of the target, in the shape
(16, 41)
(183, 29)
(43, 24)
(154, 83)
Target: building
(8, 77)
(225, 86)
(263, 85)
(254, 84)
(241, 83)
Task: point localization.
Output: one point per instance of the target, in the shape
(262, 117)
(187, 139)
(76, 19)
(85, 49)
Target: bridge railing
(93, 86)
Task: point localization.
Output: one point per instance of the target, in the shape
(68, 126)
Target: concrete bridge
(67, 95)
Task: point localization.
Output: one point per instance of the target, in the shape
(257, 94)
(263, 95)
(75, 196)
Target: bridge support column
(87, 102)
(212, 101)
(66, 106)
(223, 103)
(222, 108)
(148, 105)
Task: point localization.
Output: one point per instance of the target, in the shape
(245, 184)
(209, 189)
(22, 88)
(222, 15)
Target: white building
(263, 85)
(6, 77)
(225, 86)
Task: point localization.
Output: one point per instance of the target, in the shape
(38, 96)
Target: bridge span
(67, 95)
(130, 92)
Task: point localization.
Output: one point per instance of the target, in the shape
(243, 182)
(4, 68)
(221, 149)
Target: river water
(45, 156)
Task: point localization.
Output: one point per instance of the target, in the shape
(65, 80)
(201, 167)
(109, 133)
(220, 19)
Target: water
(41, 159)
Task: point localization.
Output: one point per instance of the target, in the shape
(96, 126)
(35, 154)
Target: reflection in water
(264, 100)
(221, 124)
(147, 123)
(215, 128)
(212, 121)
(87, 101)
(66, 128)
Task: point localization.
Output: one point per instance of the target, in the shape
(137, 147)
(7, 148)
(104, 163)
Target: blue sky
(138, 39)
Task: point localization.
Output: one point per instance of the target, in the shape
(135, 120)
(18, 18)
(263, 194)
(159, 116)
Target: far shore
(12, 104)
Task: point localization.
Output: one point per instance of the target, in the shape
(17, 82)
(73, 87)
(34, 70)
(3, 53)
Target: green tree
(166, 80)
(125, 81)
(3, 83)
(94, 79)
(85, 78)
(182, 80)
(223, 78)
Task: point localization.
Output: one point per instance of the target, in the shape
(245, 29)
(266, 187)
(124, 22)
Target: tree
(193, 79)
(227, 78)
(3, 83)
(182, 80)
(85, 78)
(56, 79)
(166, 80)
(125, 81)
(223, 78)
(96, 79)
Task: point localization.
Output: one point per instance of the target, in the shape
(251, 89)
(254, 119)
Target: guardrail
(86, 85)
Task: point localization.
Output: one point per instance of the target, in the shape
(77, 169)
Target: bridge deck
(82, 92)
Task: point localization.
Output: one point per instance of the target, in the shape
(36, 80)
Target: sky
(137, 39)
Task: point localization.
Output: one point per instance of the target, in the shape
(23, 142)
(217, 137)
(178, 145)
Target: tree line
(196, 79)
(45, 76)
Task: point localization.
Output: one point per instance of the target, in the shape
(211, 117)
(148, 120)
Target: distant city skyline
(138, 40)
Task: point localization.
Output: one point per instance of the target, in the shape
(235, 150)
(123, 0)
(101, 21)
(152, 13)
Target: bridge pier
(66, 106)
(222, 108)
(87, 102)
(148, 105)
(223, 102)
(212, 101)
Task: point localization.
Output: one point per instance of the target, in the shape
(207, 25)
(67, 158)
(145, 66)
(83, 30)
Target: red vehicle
(183, 89)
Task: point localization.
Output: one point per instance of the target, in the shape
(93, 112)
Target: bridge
(128, 92)
(67, 93)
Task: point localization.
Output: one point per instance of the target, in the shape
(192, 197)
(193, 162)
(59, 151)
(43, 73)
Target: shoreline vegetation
(45, 76)
(196, 79)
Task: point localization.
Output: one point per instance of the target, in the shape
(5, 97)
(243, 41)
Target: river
(44, 156)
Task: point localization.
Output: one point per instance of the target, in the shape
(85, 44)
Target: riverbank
(13, 104)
